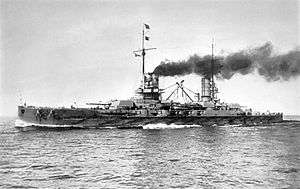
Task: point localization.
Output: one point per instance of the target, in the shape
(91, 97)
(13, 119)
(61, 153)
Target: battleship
(148, 107)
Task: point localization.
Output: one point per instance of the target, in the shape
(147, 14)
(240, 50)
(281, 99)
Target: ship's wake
(166, 126)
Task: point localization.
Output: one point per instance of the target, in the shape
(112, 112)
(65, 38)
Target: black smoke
(263, 59)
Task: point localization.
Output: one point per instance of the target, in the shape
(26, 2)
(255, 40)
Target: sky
(54, 53)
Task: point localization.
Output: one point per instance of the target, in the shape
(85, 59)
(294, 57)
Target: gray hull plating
(90, 118)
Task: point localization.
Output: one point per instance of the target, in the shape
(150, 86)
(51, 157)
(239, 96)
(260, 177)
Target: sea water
(157, 156)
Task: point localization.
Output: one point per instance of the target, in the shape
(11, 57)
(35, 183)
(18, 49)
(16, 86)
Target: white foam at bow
(21, 123)
(166, 126)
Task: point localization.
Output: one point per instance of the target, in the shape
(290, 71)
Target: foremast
(149, 89)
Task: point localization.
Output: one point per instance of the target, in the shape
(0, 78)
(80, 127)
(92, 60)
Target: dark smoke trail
(271, 67)
(195, 64)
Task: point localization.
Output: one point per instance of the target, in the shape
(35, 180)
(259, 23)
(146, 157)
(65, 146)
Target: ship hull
(91, 118)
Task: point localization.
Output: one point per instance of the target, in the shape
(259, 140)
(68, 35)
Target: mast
(149, 89)
(143, 50)
(212, 71)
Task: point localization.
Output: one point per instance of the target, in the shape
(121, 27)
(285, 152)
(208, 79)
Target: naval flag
(136, 55)
(147, 26)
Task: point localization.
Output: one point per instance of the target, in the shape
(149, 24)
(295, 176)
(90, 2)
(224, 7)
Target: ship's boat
(148, 107)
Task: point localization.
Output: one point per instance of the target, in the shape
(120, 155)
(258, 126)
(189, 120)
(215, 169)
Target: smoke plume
(272, 67)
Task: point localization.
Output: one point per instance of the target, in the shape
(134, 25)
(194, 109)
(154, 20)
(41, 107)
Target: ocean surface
(158, 156)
